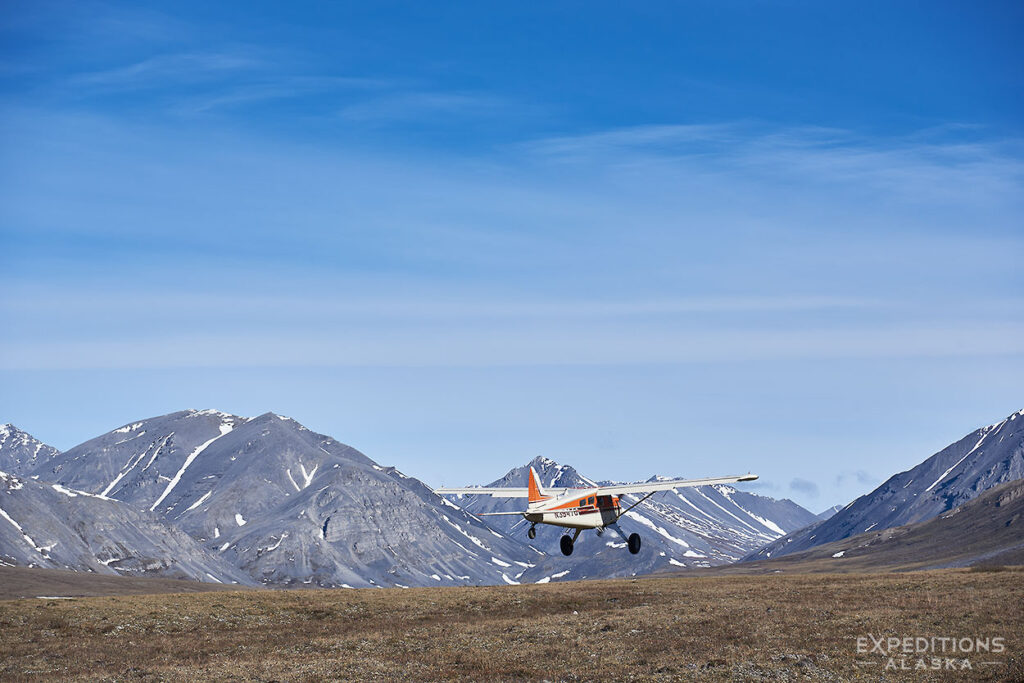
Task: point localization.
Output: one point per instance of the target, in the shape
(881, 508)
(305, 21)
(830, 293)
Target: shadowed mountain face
(988, 530)
(686, 527)
(959, 473)
(51, 526)
(286, 505)
(20, 452)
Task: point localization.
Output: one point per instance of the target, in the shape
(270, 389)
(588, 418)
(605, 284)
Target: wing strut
(636, 503)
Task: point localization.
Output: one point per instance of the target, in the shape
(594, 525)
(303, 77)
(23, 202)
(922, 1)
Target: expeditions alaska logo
(931, 653)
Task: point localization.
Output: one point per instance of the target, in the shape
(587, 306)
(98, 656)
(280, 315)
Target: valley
(768, 627)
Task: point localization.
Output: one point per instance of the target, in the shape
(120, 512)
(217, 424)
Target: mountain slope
(287, 505)
(827, 514)
(141, 463)
(51, 526)
(958, 473)
(986, 530)
(20, 452)
(691, 527)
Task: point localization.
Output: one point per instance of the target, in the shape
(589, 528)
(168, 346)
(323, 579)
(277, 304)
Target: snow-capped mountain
(287, 505)
(983, 531)
(687, 527)
(958, 473)
(21, 452)
(51, 526)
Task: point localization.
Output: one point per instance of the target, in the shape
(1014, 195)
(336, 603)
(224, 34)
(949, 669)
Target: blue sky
(679, 239)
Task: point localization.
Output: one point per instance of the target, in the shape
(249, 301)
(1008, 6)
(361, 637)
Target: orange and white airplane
(590, 508)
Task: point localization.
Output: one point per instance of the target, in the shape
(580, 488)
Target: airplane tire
(532, 533)
(634, 543)
(566, 543)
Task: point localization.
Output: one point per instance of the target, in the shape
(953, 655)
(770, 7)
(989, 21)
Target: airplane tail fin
(536, 492)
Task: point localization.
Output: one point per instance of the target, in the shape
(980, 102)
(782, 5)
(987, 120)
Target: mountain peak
(826, 514)
(272, 415)
(980, 460)
(20, 451)
(7, 430)
(273, 418)
(212, 411)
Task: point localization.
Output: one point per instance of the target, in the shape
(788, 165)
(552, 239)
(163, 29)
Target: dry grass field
(776, 627)
(23, 582)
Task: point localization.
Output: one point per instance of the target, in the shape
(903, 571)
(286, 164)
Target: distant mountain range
(958, 473)
(210, 496)
(285, 505)
(266, 501)
(826, 514)
(985, 531)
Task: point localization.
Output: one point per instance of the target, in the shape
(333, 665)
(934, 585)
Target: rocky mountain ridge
(52, 526)
(20, 452)
(962, 471)
(288, 506)
(985, 531)
(211, 496)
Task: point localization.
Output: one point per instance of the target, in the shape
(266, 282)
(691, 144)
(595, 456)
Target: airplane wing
(496, 492)
(615, 490)
(668, 484)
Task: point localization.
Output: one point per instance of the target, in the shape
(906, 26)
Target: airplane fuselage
(580, 509)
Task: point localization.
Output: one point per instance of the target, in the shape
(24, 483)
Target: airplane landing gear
(532, 533)
(566, 543)
(634, 543)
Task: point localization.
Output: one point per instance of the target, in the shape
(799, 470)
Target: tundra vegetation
(773, 626)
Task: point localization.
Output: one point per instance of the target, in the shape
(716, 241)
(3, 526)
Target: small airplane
(596, 507)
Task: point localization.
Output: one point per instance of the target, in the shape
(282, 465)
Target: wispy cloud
(201, 81)
(941, 165)
(197, 82)
(804, 487)
(861, 478)
(277, 89)
(416, 105)
(158, 71)
(100, 24)
(510, 261)
(764, 485)
(658, 138)
(341, 342)
(442, 305)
